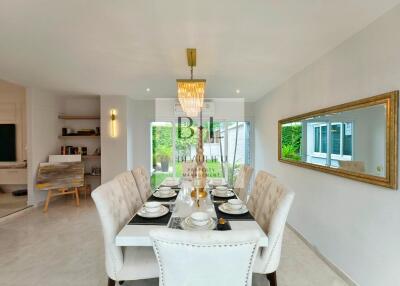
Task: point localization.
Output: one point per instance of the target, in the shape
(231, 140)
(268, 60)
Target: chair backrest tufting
(269, 203)
(114, 213)
(242, 182)
(130, 190)
(261, 184)
(205, 258)
(142, 179)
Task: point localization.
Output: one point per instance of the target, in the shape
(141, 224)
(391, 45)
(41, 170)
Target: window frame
(324, 155)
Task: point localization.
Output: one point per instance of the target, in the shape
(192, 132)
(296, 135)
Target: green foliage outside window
(291, 142)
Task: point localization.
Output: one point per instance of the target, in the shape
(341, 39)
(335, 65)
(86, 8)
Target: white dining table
(138, 235)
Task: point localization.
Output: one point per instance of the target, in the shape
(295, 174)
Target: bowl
(200, 218)
(235, 204)
(222, 191)
(152, 207)
(164, 190)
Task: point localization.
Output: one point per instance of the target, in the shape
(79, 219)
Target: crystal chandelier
(191, 91)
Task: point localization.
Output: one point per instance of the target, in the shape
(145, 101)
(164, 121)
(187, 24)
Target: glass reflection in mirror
(353, 140)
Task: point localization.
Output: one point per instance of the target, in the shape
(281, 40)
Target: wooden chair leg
(77, 196)
(111, 282)
(46, 204)
(272, 279)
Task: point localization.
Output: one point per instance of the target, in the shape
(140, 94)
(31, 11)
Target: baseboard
(331, 265)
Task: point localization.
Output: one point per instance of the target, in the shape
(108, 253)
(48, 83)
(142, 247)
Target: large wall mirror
(357, 140)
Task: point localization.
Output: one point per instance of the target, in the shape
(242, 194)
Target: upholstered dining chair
(130, 191)
(269, 203)
(211, 258)
(142, 179)
(242, 182)
(122, 263)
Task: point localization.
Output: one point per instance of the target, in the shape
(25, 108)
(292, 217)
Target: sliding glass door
(226, 147)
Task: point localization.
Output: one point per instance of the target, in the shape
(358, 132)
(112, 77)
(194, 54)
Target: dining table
(182, 206)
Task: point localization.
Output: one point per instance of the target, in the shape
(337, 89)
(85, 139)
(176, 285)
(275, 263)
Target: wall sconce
(113, 123)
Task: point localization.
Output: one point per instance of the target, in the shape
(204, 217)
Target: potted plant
(164, 156)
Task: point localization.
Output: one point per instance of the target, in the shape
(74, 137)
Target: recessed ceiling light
(148, 89)
(238, 91)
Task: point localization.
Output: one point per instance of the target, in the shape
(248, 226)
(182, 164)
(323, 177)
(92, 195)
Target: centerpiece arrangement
(191, 98)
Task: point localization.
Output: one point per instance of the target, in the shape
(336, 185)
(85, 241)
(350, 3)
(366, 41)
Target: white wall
(114, 152)
(141, 114)
(43, 130)
(355, 225)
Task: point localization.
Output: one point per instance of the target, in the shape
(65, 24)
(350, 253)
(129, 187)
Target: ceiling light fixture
(148, 89)
(238, 91)
(191, 91)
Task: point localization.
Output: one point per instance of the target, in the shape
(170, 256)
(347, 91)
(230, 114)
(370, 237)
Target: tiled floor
(10, 204)
(65, 247)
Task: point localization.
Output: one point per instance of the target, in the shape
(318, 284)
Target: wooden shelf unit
(79, 136)
(78, 117)
(90, 175)
(88, 157)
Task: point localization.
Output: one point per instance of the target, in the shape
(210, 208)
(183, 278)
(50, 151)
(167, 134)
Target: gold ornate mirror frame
(390, 100)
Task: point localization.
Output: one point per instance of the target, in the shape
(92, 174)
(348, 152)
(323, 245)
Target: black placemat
(151, 221)
(176, 187)
(155, 199)
(246, 216)
(225, 199)
(176, 224)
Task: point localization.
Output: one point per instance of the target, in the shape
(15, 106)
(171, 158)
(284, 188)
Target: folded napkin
(151, 221)
(246, 216)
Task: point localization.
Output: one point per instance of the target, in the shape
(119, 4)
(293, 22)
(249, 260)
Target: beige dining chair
(352, 166)
(242, 182)
(211, 258)
(130, 191)
(142, 179)
(122, 263)
(269, 203)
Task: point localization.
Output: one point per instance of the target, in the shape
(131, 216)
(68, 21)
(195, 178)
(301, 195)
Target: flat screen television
(7, 143)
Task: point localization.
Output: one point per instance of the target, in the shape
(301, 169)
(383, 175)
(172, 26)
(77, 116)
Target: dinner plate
(226, 209)
(227, 195)
(163, 211)
(158, 194)
(171, 183)
(187, 224)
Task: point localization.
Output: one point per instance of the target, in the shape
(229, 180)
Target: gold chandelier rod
(191, 59)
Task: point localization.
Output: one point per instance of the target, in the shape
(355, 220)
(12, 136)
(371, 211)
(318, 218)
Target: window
(317, 139)
(340, 139)
(347, 138)
(320, 138)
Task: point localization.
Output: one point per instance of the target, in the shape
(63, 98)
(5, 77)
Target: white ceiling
(122, 47)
